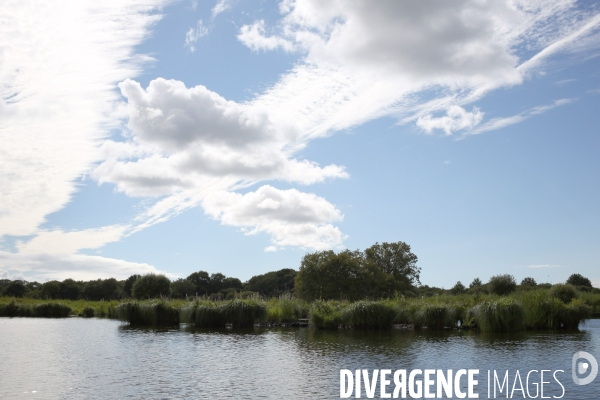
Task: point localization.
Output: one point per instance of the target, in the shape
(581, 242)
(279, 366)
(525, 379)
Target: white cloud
(456, 118)
(254, 37)
(291, 217)
(43, 267)
(182, 139)
(222, 5)
(59, 64)
(502, 122)
(58, 241)
(193, 34)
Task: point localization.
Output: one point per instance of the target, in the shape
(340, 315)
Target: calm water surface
(103, 359)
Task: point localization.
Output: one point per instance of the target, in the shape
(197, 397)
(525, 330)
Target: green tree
(151, 286)
(458, 288)
(128, 285)
(202, 281)
(529, 281)
(502, 284)
(50, 290)
(395, 259)
(183, 288)
(579, 280)
(69, 289)
(15, 289)
(272, 283)
(476, 283)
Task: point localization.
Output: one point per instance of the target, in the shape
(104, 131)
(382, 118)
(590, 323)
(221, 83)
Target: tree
(272, 283)
(395, 259)
(151, 286)
(579, 280)
(183, 288)
(458, 288)
(15, 289)
(69, 289)
(202, 281)
(529, 281)
(51, 290)
(502, 284)
(475, 284)
(129, 284)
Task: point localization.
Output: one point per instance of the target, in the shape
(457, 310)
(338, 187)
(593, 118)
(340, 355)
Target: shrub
(458, 288)
(563, 292)
(502, 284)
(368, 315)
(579, 280)
(325, 315)
(529, 281)
(88, 312)
(433, 315)
(151, 286)
(51, 310)
(504, 315)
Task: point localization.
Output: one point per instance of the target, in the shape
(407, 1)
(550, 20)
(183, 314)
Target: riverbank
(522, 310)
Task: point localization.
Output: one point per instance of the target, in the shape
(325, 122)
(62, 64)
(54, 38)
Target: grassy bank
(556, 308)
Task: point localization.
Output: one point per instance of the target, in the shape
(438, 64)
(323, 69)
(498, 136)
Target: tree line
(380, 271)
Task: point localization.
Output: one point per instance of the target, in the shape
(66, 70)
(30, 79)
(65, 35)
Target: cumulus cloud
(456, 118)
(254, 37)
(291, 217)
(193, 34)
(43, 267)
(183, 138)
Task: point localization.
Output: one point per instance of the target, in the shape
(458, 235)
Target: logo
(581, 367)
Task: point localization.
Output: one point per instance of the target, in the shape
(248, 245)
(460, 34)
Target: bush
(502, 284)
(529, 281)
(368, 315)
(579, 280)
(183, 288)
(458, 288)
(88, 312)
(563, 292)
(151, 286)
(433, 315)
(325, 315)
(51, 310)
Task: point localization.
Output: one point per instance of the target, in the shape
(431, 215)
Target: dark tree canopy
(69, 289)
(476, 283)
(128, 285)
(380, 271)
(202, 281)
(51, 290)
(15, 289)
(272, 283)
(151, 286)
(529, 281)
(458, 288)
(502, 284)
(183, 288)
(579, 280)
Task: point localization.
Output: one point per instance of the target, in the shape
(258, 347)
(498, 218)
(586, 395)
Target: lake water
(78, 358)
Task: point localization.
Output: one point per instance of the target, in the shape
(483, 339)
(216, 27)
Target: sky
(232, 136)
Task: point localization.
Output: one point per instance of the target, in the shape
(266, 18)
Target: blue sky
(236, 136)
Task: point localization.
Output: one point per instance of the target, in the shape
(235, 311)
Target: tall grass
(286, 309)
(432, 315)
(155, 313)
(237, 312)
(544, 311)
(40, 310)
(325, 315)
(368, 315)
(503, 315)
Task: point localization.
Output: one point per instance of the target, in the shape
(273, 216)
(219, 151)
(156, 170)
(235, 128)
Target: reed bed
(286, 309)
(326, 315)
(40, 310)
(238, 313)
(368, 315)
(155, 313)
(504, 315)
